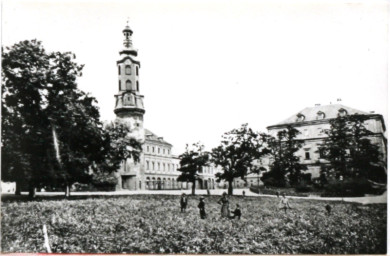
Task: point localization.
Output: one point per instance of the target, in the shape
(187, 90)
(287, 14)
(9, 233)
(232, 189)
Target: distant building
(312, 121)
(157, 168)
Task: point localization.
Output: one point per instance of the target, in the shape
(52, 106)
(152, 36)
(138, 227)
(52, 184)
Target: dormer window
(342, 112)
(300, 118)
(320, 115)
(128, 70)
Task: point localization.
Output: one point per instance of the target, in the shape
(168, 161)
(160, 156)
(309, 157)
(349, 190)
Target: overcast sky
(209, 66)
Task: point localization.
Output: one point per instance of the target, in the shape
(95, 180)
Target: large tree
(238, 154)
(348, 148)
(191, 163)
(285, 163)
(52, 130)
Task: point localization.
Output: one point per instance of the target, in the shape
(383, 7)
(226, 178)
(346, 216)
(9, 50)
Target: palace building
(312, 121)
(157, 168)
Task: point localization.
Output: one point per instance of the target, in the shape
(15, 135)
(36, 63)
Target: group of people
(224, 202)
(225, 212)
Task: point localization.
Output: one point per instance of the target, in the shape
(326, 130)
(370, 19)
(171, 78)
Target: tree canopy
(191, 163)
(285, 166)
(237, 154)
(349, 149)
(51, 129)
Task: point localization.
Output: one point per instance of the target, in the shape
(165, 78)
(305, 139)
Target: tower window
(137, 86)
(119, 85)
(128, 70)
(128, 85)
(136, 70)
(119, 70)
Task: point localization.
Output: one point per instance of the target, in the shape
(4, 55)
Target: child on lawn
(183, 202)
(284, 203)
(236, 212)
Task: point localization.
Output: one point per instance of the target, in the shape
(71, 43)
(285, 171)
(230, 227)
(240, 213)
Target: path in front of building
(237, 191)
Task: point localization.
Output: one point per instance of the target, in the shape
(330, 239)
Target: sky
(209, 66)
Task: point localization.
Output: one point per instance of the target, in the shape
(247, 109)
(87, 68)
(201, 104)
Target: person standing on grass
(225, 206)
(202, 211)
(284, 203)
(183, 202)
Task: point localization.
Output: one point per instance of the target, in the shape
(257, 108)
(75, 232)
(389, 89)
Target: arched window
(128, 70)
(137, 86)
(147, 165)
(136, 70)
(153, 166)
(128, 85)
(119, 70)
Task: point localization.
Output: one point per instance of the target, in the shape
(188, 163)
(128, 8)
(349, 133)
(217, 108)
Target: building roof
(150, 136)
(330, 112)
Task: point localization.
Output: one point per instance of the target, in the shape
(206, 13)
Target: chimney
(338, 100)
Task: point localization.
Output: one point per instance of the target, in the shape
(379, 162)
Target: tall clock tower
(129, 109)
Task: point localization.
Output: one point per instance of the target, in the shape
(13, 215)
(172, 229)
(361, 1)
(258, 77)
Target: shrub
(349, 187)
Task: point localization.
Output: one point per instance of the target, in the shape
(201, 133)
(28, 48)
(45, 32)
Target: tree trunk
(32, 192)
(230, 188)
(18, 189)
(193, 187)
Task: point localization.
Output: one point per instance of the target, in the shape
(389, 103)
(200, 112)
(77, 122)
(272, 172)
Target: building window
(307, 155)
(136, 70)
(119, 70)
(164, 167)
(128, 85)
(164, 151)
(119, 85)
(158, 150)
(128, 70)
(147, 148)
(147, 165)
(137, 86)
(158, 166)
(153, 166)
(153, 149)
(168, 151)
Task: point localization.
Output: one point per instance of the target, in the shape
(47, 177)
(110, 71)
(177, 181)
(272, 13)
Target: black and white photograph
(194, 127)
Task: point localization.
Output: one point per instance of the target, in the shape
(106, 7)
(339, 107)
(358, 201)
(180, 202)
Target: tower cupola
(127, 32)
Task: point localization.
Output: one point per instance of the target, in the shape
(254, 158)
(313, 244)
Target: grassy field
(154, 224)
